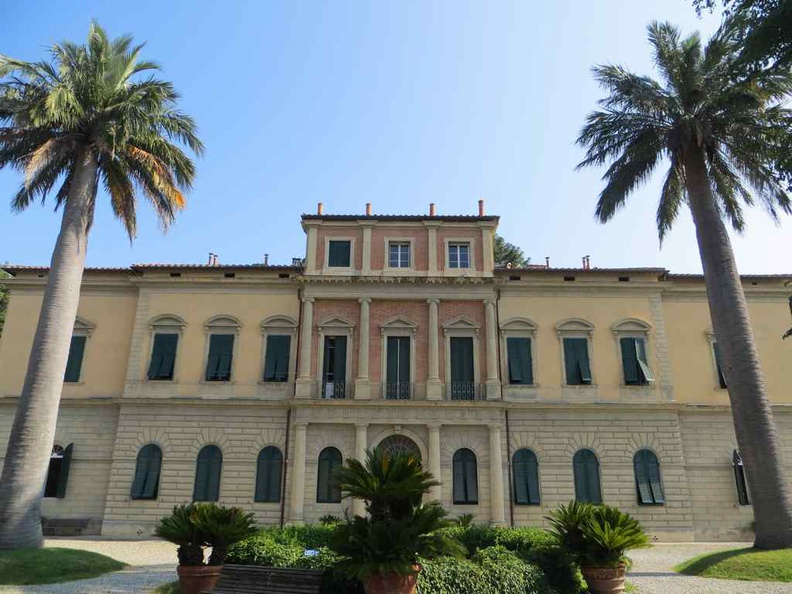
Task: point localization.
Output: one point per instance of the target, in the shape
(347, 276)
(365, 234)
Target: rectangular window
(634, 362)
(335, 360)
(459, 255)
(221, 352)
(397, 370)
(576, 361)
(520, 361)
(276, 360)
(338, 255)
(463, 385)
(718, 367)
(74, 362)
(163, 357)
(399, 255)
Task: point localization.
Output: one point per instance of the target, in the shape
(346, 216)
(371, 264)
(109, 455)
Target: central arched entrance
(400, 444)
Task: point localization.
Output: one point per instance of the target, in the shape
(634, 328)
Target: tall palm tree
(84, 118)
(717, 126)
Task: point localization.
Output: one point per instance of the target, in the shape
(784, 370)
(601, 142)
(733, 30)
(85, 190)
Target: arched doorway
(400, 444)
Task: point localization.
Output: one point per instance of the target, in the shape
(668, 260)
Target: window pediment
(167, 322)
(82, 327)
(279, 323)
(574, 325)
(519, 325)
(223, 324)
(631, 325)
(337, 323)
(461, 325)
(400, 324)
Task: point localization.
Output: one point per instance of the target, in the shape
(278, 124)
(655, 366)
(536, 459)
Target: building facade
(521, 389)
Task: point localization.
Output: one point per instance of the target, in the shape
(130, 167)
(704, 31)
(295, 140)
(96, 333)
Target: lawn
(169, 588)
(742, 564)
(52, 566)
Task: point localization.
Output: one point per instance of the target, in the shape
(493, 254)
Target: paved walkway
(652, 572)
(151, 564)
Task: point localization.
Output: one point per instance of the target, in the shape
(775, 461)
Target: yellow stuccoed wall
(682, 417)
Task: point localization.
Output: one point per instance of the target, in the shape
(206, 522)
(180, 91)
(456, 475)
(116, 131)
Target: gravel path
(652, 572)
(151, 564)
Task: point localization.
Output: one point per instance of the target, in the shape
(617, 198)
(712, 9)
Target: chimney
(214, 260)
(211, 256)
(547, 261)
(266, 259)
(481, 208)
(588, 263)
(320, 209)
(368, 209)
(432, 209)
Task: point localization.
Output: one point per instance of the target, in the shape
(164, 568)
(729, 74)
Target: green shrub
(263, 549)
(492, 570)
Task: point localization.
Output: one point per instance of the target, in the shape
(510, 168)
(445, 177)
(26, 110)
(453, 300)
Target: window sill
(274, 384)
(518, 386)
(586, 386)
(217, 382)
(160, 381)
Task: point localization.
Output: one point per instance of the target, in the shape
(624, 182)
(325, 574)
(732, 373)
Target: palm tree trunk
(33, 431)
(753, 419)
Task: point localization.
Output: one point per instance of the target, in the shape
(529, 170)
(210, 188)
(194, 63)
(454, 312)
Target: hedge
(500, 560)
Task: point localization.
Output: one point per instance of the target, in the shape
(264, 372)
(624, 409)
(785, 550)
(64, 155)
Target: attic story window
(339, 253)
(399, 254)
(459, 255)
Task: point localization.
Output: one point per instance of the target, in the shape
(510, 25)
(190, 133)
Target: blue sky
(395, 103)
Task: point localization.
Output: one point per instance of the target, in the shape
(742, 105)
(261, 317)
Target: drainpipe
(286, 458)
(506, 415)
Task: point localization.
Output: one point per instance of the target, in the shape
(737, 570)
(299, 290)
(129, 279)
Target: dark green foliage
(196, 526)
(507, 253)
(707, 103)
(596, 535)
(329, 520)
(98, 99)
(465, 520)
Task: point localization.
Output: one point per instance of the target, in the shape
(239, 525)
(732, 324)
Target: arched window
(739, 479)
(58, 473)
(145, 485)
(647, 478)
(207, 474)
(327, 490)
(587, 477)
(400, 444)
(465, 477)
(269, 468)
(525, 469)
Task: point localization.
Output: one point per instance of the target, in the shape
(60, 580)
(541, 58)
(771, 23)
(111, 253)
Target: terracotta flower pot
(605, 580)
(195, 579)
(392, 583)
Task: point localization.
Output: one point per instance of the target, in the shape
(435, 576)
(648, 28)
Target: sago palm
(718, 127)
(86, 118)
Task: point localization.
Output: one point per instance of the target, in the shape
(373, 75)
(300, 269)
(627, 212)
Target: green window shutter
(642, 480)
(340, 362)
(339, 254)
(570, 362)
(586, 472)
(655, 483)
(739, 479)
(276, 362)
(327, 490)
(269, 468)
(526, 477)
(632, 375)
(145, 485)
(721, 377)
(208, 469)
(221, 352)
(397, 372)
(643, 364)
(63, 478)
(404, 359)
(163, 357)
(584, 368)
(74, 362)
(465, 477)
(520, 364)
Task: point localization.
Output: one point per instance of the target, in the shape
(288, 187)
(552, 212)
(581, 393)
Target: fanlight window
(399, 444)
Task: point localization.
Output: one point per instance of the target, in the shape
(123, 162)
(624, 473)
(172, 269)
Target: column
(366, 248)
(298, 473)
(493, 383)
(362, 386)
(310, 251)
(361, 441)
(432, 239)
(434, 389)
(434, 460)
(497, 516)
(304, 383)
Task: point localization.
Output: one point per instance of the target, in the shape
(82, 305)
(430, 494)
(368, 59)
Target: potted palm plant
(383, 549)
(598, 536)
(194, 528)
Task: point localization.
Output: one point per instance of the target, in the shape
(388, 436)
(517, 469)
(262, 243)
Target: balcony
(465, 391)
(397, 391)
(335, 391)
